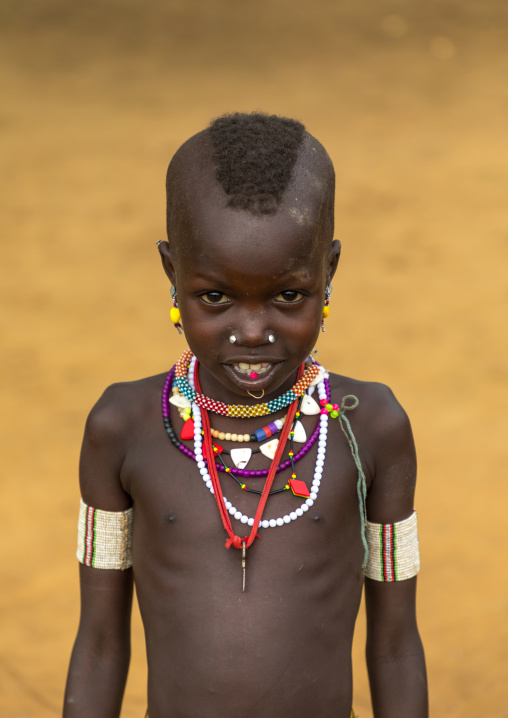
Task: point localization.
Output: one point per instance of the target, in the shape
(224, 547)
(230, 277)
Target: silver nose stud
(271, 338)
(232, 339)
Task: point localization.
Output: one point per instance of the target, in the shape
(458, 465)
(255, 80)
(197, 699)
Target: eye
(214, 298)
(289, 297)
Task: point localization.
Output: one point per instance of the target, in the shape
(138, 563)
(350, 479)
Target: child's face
(251, 277)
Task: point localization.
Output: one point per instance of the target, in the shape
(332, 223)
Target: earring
(326, 308)
(232, 339)
(271, 338)
(174, 313)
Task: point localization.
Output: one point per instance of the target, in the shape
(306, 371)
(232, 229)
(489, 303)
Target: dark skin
(282, 648)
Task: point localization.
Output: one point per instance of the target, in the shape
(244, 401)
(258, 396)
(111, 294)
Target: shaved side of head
(265, 164)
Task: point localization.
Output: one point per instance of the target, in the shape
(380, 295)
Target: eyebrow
(221, 281)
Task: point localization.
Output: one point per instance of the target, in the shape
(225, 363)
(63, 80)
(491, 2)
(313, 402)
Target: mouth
(252, 370)
(252, 376)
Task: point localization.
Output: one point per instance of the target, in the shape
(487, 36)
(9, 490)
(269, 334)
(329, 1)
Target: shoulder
(111, 430)
(377, 405)
(386, 446)
(122, 406)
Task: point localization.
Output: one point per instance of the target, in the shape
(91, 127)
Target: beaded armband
(393, 550)
(104, 537)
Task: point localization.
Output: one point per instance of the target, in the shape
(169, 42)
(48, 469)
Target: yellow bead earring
(326, 308)
(174, 313)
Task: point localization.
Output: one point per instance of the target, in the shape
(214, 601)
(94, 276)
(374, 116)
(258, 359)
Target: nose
(252, 329)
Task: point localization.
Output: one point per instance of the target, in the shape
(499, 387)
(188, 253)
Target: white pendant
(180, 401)
(300, 436)
(269, 448)
(240, 457)
(309, 406)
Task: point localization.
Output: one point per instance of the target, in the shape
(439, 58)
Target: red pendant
(299, 488)
(217, 448)
(187, 430)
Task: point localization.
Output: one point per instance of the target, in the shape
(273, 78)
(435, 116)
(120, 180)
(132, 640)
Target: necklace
(293, 515)
(258, 435)
(292, 484)
(204, 448)
(241, 410)
(203, 454)
(245, 473)
(184, 409)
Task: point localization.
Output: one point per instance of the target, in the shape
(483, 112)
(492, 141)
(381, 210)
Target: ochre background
(411, 100)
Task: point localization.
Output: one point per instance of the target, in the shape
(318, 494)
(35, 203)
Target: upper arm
(391, 614)
(103, 452)
(106, 594)
(390, 497)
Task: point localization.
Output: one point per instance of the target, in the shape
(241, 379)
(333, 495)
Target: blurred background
(411, 101)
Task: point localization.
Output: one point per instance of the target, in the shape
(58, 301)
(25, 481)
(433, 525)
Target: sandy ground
(411, 101)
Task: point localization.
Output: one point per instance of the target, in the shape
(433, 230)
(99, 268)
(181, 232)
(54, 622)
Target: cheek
(202, 327)
(301, 331)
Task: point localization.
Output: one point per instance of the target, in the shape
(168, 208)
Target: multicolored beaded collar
(240, 410)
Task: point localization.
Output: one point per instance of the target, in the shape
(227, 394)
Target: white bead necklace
(318, 471)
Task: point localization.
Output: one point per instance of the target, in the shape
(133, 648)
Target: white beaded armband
(394, 554)
(104, 537)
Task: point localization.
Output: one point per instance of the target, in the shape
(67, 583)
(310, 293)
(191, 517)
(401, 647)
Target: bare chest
(177, 519)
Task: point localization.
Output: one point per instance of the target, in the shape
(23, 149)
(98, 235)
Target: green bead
(329, 407)
(334, 414)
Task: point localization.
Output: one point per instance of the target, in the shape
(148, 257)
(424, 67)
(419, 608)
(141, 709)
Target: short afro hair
(254, 156)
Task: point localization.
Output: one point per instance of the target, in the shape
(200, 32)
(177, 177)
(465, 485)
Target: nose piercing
(232, 338)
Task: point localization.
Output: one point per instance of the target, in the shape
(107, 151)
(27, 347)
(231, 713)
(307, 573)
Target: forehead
(227, 240)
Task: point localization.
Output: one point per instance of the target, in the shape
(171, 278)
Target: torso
(282, 648)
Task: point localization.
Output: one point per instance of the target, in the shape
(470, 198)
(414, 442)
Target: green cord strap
(361, 485)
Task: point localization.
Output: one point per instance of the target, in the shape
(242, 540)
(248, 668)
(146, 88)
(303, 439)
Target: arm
(101, 653)
(395, 658)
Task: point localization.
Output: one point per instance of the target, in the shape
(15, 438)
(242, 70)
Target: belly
(282, 648)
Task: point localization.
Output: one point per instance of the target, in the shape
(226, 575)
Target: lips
(252, 376)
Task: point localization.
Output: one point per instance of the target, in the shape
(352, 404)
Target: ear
(333, 259)
(167, 261)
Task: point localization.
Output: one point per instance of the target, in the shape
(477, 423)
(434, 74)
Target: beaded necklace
(204, 448)
(258, 435)
(316, 483)
(295, 486)
(241, 410)
(245, 473)
(184, 409)
(204, 456)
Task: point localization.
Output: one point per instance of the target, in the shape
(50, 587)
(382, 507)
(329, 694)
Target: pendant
(309, 406)
(300, 435)
(187, 430)
(240, 457)
(269, 448)
(244, 558)
(180, 401)
(299, 488)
